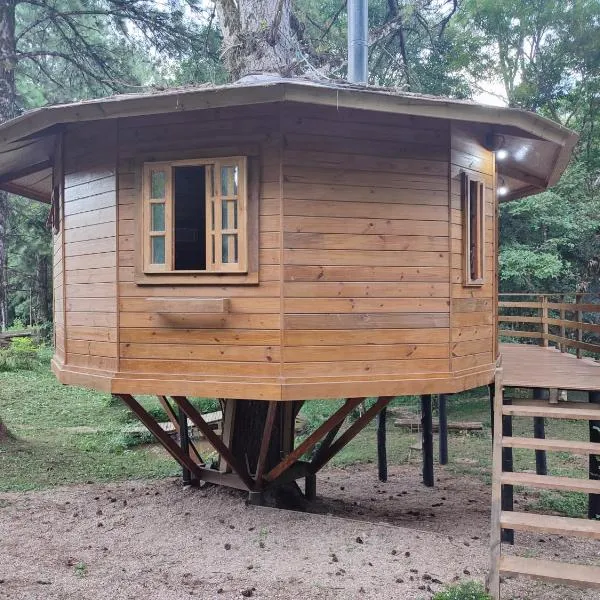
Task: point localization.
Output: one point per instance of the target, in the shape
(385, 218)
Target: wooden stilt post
(493, 583)
(539, 432)
(310, 487)
(443, 410)
(427, 432)
(381, 445)
(507, 501)
(594, 464)
(492, 390)
(184, 442)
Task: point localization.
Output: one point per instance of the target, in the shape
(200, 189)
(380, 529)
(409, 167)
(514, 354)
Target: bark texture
(7, 111)
(259, 36)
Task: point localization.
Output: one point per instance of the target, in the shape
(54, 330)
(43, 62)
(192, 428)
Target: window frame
(245, 271)
(468, 184)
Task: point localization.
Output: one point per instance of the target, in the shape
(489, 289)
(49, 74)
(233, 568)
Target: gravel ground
(365, 539)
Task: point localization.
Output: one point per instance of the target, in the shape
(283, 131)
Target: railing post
(579, 320)
(544, 321)
(563, 329)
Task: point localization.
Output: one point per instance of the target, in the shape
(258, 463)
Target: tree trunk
(259, 36)
(5, 434)
(42, 284)
(247, 432)
(7, 111)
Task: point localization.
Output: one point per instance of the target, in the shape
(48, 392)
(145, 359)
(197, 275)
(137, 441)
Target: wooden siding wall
(473, 308)
(366, 245)
(243, 345)
(90, 246)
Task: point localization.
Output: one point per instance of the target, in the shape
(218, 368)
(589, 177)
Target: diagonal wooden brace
(350, 433)
(310, 442)
(172, 448)
(195, 455)
(190, 410)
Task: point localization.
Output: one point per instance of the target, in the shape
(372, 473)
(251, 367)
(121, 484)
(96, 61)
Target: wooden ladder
(547, 570)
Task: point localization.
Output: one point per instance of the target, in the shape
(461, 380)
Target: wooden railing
(569, 321)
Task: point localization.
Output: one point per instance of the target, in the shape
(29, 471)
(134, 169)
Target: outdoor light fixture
(496, 143)
(502, 189)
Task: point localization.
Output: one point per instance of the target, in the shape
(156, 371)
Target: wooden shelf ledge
(166, 307)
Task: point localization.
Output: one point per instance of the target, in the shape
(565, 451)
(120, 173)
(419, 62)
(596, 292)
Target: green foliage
(21, 355)
(467, 590)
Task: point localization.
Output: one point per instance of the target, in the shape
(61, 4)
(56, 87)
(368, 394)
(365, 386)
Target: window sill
(218, 279)
(478, 283)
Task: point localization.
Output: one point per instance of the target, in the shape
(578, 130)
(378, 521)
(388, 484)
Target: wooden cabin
(276, 240)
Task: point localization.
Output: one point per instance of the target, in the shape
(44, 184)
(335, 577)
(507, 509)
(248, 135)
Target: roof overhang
(544, 146)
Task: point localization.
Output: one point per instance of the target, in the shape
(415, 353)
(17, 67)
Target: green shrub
(467, 590)
(21, 355)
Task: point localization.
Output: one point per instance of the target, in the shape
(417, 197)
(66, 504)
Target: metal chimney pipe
(358, 41)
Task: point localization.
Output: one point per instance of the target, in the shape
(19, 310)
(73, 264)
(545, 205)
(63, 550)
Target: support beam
(427, 432)
(310, 442)
(184, 442)
(351, 432)
(382, 466)
(172, 448)
(326, 443)
(443, 410)
(507, 501)
(539, 432)
(594, 462)
(214, 439)
(310, 487)
(174, 417)
(264, 445)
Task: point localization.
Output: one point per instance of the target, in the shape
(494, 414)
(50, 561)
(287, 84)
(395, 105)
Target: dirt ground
(155, 540)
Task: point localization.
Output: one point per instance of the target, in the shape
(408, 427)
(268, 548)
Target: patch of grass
(467, 590)
(81, 569)
(568, 504)
(68, 435)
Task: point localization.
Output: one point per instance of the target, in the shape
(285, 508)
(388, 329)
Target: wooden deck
(537, 366)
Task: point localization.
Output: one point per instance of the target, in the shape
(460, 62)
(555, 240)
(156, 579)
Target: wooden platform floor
(536, 366)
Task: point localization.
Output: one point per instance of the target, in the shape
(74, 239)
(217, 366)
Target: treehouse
(275, 241)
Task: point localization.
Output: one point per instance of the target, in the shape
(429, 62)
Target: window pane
(212, 215)
(157, 219)
(229, 218)
(229, 248)
(212, 250)
(229, 181)
(157, 184)
(158, 250)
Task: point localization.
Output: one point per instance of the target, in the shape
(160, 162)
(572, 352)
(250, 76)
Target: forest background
(541, 55)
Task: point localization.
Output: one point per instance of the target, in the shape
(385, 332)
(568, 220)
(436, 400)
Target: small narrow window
(473, 204)
(195, 216)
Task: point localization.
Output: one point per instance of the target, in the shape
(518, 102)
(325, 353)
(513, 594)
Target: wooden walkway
(537, 366)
